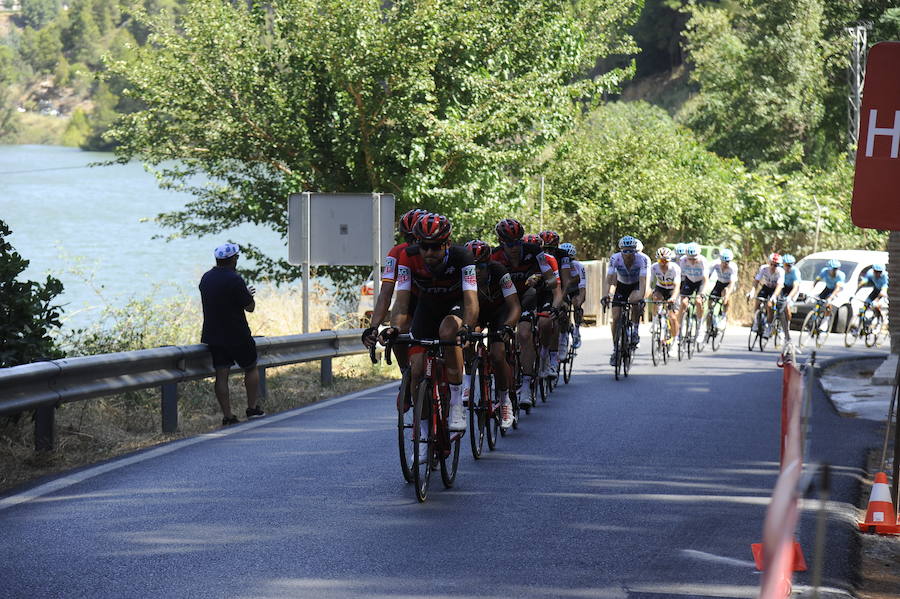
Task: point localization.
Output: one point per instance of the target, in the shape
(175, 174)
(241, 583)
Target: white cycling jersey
(769, 278)
(724, 275)
(577, 269)
(665, 280)
(693, 271)
(626, 275)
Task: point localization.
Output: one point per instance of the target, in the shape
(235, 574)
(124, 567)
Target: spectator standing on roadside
(225, 298)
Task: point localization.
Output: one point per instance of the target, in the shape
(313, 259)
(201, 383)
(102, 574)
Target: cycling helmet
(479, 249)
(680, 249)
(569, 249)
(533, 238)
(640, 246)
(665, 253)
(775, 257)
(726, 256)
(509, 229)
(833, 263)
(432, 227)
(408, 220)
(628, 242)
(550, 238)
(878, 267)
(692, 249)
(788, 259)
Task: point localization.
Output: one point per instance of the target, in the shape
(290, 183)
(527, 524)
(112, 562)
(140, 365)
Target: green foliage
(760, 68)
(82, 36)
(630, 169)
(78, 130)
(443, 104)
(38, 13)
(27, 313)
(101, 119)
(8, 114)
(41, 49)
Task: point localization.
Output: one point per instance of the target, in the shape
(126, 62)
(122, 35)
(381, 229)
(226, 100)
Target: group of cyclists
(447, 292)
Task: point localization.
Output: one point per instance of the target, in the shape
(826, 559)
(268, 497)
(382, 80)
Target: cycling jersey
(831, 282)
(447, 281)
(579, 271)
(878, 283)
(494, 284)
(389, 272)
(769, 278)
(668, 279)
(693, 271)
(554, 266)
(626, 275)
(724, 275)
(790, 279)
(562, 258)
(532, 261)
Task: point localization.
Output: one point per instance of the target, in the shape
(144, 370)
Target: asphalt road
(654, 486)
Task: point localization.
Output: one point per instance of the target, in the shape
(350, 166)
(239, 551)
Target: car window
(810, 267)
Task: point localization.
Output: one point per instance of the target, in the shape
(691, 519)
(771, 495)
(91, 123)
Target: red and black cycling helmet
(433, 228)
(409, 220)
(479, 249)
(509, 229)
(550, 238)
(533, 238)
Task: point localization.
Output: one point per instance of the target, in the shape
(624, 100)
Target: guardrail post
(45, 428)
(169, 407)
(325, 373)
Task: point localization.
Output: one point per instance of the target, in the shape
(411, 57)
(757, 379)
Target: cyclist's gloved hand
(370, 336)
(507, 332)
(388, 334)
(463, 334)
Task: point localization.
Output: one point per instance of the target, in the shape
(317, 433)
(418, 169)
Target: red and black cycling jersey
(494, 284)
(562, 257)
(533, 261)
(447, 281)
(389, 272)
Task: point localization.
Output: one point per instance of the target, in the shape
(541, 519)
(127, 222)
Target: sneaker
(577, 343)
(552, 370)
(524, 398)
(457, 420)
(228, 421)
(506, 416)
(254, 412)
(612, 358)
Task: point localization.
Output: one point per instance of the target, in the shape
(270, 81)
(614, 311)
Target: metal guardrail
(42, 386)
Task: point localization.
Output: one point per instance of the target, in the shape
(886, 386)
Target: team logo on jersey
(390, 263)
(403, 275)
(470, 278)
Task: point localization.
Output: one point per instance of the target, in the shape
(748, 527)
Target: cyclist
(550, 245)
(767, 286)
(791, 288)
(498, 311)
(834, 280)
(578, 293)
(665, 276)
(527, 265)
(388, 281)
(627, 279)
(694, 275)
(877, 277)
(445, 276)
(726, 272)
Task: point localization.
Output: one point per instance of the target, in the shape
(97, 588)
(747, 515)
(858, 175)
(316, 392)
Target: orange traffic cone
(880, 516)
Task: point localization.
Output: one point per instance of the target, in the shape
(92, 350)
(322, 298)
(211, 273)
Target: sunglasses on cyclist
(629, 251)
(431, 245)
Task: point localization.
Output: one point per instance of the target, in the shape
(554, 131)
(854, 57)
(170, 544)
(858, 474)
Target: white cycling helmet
(680, 249)
(569, 249)
(726, 255)
(665, 253)
(692, 249)
(640, 246)
(628, 242)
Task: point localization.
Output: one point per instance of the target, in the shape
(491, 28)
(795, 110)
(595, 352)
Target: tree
(443, 104)
(8, 114)
(38, 13)
(82, 35)
(27, 312)
(760, 68)
(41, 49)
(78, 130)
(102, 117)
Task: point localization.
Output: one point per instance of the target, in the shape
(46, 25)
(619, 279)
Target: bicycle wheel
(492, 415)
(853, 333)
(567, 365)
(478, 409)
(718, 331)
(777, 333)
(423, 439)
(665, 340)
(627, 351)
(404, 431)
(680, 342)
(824, 330)
(702, 332)
(880, 330)
(618, 350)
(762, 325)
(754, 330)
(808, 328)
(449, 457)
(691, 335)
(656, 348)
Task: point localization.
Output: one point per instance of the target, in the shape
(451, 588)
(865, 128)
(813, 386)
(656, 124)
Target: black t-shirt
(224, 295)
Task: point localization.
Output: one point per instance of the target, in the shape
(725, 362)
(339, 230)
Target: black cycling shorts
(786, 290)
(426, 321)
(689, 287)
(492, 317)
(244, 354)
(717, 288)
(765, 292)
(623, 290)
(663, 292)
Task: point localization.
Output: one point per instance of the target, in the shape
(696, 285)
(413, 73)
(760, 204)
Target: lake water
(93, 228)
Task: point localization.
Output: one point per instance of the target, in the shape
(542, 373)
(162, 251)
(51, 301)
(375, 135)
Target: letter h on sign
(893, 133)
(876, 184)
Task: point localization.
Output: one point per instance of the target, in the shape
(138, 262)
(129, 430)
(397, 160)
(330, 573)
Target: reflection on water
(66, 216)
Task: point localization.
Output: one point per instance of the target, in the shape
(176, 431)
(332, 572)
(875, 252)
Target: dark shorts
(663, 293)
(825, 293)
(765, 292)
(717, 288)
(224, 356)
(786, 291)
(492, 316)
(623, 290)
(689, 287)
(426, 322)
